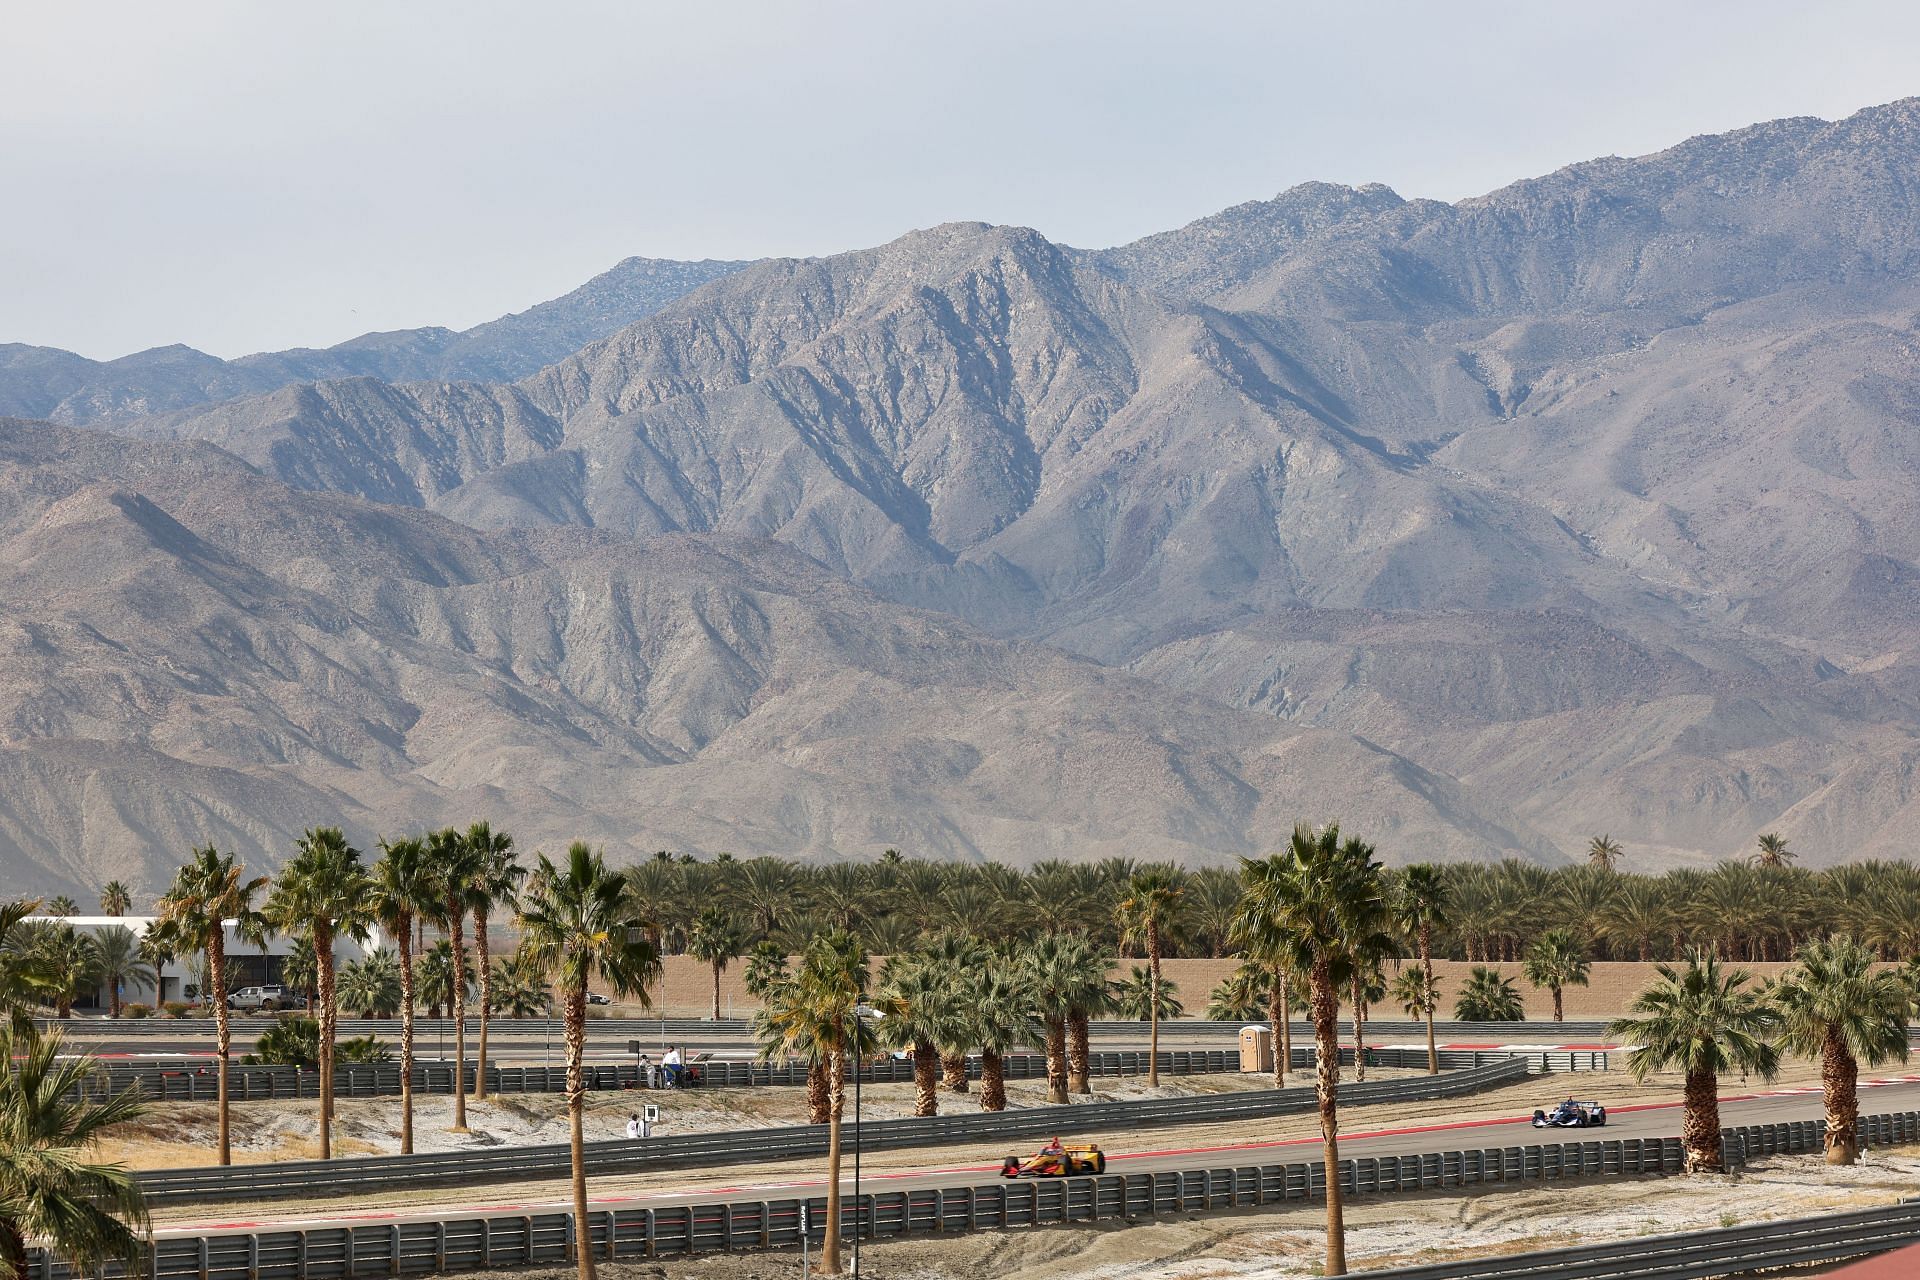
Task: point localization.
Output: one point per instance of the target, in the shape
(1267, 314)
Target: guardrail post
(253, 1257)
(393, 1257)
(652, 1240)
(202, 1259)
(347, 1244)
(300, 1255)
(613, 1234)
(486, 1242)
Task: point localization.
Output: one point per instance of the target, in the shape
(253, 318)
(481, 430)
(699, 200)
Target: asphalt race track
(1661, 1120)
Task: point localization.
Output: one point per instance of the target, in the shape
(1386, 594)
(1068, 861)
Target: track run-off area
(1139, 1154)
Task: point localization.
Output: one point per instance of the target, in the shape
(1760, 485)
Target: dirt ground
(1382, 1231)
(686, 988)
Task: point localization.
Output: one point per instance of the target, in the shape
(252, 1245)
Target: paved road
(1652, 1121)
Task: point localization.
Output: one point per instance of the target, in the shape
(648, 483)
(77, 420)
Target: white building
(248, 963)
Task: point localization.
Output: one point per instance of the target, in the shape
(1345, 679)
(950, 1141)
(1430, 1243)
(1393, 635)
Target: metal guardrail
(497, 1164)
(1694, 1254)
(519, 1240)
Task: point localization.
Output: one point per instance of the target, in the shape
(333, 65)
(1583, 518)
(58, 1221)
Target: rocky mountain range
(1589, 505)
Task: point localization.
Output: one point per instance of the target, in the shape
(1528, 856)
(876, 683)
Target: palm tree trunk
(1426, 967)
(222, 1032)
(1839, 1081)
(1277, 1015)
(819, 1093)
(1700, 1122)
(926, 1079)
(993, 1081)
(1079, 1060)
(576, 1021)
(323, 972)
(1359, 1030)
(830, 1246)
(458, 999)
(954, 1065)
(480, 942)
(1326, 1084)
(1056, 1060)
(1153, 1007)
(1558, 1014)
(716, 991)
(404, 938)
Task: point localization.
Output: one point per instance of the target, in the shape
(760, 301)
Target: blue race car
(1571, 1115)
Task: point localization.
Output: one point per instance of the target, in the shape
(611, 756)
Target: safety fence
(195, 1081)
(734, 1146)
(199, 1081)
(520, 1240)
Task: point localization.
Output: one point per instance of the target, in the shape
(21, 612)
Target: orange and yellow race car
(1056, 1161)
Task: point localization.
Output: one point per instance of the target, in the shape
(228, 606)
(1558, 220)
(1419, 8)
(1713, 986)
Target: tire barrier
(735, 1146)
(523, 1240)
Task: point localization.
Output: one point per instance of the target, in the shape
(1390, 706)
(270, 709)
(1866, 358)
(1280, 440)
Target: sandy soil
(1382, 1231)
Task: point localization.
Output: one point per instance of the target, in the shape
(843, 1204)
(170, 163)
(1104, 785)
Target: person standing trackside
(633, 1125)
(670, 1067)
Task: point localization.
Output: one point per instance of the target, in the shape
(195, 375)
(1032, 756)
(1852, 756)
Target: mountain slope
(193, 652)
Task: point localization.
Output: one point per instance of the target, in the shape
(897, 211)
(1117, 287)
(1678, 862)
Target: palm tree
(62, 905)
(322, 893)
(119, 963)
(206, 893)
(1639, 916)
(90, 1214)
(1087, 995)
(921, 1006)
(764, 888)
(300, 970)
(766, 968)
(1773, 853)
(496, 878)
(579, 921)
(520, 986)
(1487, 996)
(435, 981)
(457, 866)
(961, 956)
(1418, 993)
(999, 1010)
(1700, 1020)
(1422, 906)
(1325, 898)
(716, 941)
(70, 959)
(371, 984)
(1557, 960)
(1835, 1006)
(813, 1015)
(1605, 852)
(1138, 998)
(1241, 996)
(1153, 913)
(24, 982)
(404, 888)
(114, 899)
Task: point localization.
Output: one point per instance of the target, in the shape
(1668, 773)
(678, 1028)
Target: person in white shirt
(633, 1125)
(670, 1064)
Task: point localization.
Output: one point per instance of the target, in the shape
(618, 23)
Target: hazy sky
(250, 176)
